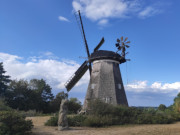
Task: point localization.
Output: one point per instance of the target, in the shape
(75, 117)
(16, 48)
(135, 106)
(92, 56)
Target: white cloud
(43, 55)
(55, 72)
(61, 18)
(99, 10)
(174, 86)
(103, 22)
(156, 87)
(9, 58)
(48, 53)
(149, 11)
(138, 85)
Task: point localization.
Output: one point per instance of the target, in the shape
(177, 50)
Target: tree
(162, 107)
(55, 103)
(74, 105)
(24, 95)
(43, 94)
(176, 105)
(4, 80)
(20, 96)
(42, 89)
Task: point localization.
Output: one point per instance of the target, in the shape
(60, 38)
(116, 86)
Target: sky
(41, 39)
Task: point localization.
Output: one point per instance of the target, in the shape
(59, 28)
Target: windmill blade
(76, 76)
(117, 44)
(84, 36)
(119, 48)
(127, 46)
(118, 40)
(128, 42)
(99, 45)
(122, 39)
(125, 39)
(85, 41)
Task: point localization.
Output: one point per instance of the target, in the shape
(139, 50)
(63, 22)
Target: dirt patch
(164, 129)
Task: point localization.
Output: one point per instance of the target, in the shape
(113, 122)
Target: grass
(157, 129)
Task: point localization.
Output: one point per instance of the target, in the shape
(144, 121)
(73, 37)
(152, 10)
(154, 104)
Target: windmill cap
(103, 54)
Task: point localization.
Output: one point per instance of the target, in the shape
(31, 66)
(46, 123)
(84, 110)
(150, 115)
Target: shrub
(127, 115)
(14, 124)
(177, 105)
(83, 120)
(102, 114)
(98, 107)
(74, 105)
(29, 113)
(53, 121)
(76, 120)
(162, 107)
(3, 107)
(98, 121)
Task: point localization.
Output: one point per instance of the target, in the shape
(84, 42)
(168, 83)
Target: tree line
(35, 94)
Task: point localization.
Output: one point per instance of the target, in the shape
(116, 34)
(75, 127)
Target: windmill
(105, 78)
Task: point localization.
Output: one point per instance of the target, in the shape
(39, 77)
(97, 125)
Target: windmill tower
(105, 77)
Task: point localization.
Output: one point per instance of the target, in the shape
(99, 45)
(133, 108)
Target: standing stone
(62, 119)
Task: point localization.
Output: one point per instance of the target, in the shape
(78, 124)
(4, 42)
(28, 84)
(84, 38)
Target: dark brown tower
(106, 82)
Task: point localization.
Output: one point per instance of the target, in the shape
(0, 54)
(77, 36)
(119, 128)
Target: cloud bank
(47, 66)
(140, 93)
(102, 10)
(156, 87)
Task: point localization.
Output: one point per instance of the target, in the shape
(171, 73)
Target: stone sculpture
(62, 119)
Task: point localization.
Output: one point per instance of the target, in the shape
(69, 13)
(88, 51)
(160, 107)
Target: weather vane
(121, 45)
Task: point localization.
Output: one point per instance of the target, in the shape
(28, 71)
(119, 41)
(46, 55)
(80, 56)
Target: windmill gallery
(105, 77)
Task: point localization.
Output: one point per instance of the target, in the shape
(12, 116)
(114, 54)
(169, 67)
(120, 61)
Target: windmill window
(119, 86)
(93, 86)
(108, 99)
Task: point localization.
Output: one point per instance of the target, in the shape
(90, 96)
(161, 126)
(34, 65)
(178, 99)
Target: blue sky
(41, 39)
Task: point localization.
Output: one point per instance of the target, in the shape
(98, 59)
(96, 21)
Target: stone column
(62, 118)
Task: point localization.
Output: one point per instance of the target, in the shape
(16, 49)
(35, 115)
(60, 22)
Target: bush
(53, 121)
(14, 124)
(74, 105)
(117, 115)
(29, 113)
(3, 107)
(98, 121)
(97, 107)
(162, 107)
(32, 113)
(76, 120)
(102, 114)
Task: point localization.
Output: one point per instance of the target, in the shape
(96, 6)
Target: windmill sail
(76, 76)
(85, 41)
(99, 45)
